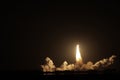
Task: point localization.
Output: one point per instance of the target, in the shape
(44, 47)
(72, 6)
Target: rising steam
(101, 64)
(49, 66)
(79, 65)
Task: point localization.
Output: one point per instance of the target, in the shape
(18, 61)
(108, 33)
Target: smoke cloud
(101, 64)
(65, 66)
(104, 63)
(49, 66)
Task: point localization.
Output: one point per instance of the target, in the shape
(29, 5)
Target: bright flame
(78, 55)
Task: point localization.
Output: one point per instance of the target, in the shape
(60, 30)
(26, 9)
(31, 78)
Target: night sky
(37, 29)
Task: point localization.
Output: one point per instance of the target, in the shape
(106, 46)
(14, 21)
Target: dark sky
(37, 29)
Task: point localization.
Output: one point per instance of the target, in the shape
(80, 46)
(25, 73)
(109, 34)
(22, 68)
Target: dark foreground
(65, 75)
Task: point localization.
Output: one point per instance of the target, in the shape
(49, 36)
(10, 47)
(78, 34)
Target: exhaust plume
(49, 66)
(65, 66)
(104, 62)
(78, 55)
(101, 64)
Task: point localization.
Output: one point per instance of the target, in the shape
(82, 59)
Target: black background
(36, 29)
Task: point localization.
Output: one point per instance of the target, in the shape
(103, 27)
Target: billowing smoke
(101, 64)
(65, 66)
(104, 63)
(49, 66)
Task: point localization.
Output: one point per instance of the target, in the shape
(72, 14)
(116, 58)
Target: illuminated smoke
(88, 66)
(49, 66)
(101, 64)
(65, 66)
(79, 65)
(104, 63)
